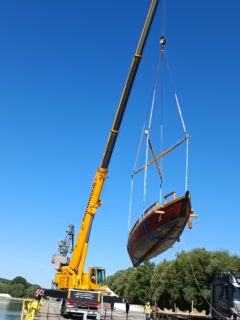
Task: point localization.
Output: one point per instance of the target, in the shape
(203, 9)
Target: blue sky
(63, 65)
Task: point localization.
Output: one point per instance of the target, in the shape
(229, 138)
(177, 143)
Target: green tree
(160, 284)
(138, 288)
(20, 280)
(185, 280)
(188, 278)
(119, 280)
(30, 292)
(18, 287)
(135, 284)
(4, 287)
(17, 290)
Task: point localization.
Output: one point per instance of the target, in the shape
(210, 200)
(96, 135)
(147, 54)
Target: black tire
(63, 312)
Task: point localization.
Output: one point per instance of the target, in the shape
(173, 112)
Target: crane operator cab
(97, 278)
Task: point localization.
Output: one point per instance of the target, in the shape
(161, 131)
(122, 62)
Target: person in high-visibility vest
(147, 310)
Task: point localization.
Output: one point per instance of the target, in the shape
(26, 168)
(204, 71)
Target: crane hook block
(162, 41)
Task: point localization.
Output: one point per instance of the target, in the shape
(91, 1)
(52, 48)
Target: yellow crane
(71, 275)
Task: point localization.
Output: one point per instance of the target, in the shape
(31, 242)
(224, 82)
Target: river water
(10, 309)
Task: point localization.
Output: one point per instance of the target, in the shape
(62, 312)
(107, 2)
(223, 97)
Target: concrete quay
(50, 309)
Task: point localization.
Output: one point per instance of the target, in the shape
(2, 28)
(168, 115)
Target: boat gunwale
(145, 216)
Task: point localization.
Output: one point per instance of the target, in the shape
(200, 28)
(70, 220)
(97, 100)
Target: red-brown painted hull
(156, 232)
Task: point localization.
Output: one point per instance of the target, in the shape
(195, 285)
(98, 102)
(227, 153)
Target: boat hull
(158, 230)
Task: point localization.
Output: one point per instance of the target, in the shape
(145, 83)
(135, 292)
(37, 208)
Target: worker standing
(112, 309)
(127, 305)
(155, 311)
(147, 310)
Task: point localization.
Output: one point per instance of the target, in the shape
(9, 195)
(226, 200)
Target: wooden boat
(159, 228)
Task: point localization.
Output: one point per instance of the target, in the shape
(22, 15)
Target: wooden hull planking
(158, 229)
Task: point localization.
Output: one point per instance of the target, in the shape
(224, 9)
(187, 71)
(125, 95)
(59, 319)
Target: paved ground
(50, 310)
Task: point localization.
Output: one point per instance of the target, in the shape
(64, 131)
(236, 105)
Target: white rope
(186, 171)
(181, 117)
(161, 163)
(147, 132)
(180, 113)
(139, 148)
(152, 106)
(145, 170)
(131, 188)
(130, 205)
(161, 136)
(187, 141)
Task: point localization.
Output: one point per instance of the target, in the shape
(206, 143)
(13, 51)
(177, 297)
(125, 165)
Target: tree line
(18, 287)
(180, 282)
(185, 280)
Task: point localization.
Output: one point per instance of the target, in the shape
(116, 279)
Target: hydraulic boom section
(72, 276)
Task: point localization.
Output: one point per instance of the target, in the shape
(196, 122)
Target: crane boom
(128, 85)
(71, 276)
